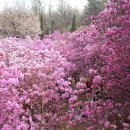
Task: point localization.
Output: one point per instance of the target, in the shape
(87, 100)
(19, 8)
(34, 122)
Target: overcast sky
(74, 3)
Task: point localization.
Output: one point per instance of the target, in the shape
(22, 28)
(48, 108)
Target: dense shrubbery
(36, 90)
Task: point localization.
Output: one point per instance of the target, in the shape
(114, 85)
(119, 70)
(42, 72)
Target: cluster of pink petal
(31, 73)
(35, 93)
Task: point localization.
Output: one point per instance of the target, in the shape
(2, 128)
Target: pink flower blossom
(97, 79)
(107, 124)
(73, 99)
(13, 81)
(80, 85)
(64, 96)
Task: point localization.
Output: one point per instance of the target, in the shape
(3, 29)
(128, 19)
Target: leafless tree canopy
(19, 23)
(65, 11)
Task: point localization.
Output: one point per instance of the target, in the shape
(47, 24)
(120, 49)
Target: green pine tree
(41, 18)
(52, 26)
(47, 31)
(73, 27)
(93, 7)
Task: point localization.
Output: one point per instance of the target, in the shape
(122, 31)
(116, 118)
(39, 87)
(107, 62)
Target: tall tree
(47, 31)
(52, 26)
(41, 19)
(66, 12)
(73, 26)
(93, 7)
(38, 7)
(18, 23)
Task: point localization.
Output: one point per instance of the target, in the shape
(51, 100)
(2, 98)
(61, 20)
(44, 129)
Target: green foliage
(73, 27)
(41, 18)
(52, 26)
(47, 31)
(93, 7)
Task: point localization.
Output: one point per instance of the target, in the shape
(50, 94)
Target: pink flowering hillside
(70, 81)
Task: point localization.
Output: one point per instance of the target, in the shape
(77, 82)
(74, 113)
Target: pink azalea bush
(101, 52)
(30, 72)
(10, 106)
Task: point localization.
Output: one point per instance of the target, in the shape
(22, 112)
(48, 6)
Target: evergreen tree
(41, 18)
(73, 27)
(41, 21)
(93, 7)
(52, 26)
(47, 31)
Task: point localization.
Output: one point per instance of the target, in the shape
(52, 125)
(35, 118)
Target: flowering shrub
(10, 107)
(101, 52)
(30, 72)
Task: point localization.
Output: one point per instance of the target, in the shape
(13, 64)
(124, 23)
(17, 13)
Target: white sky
(74, 3)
